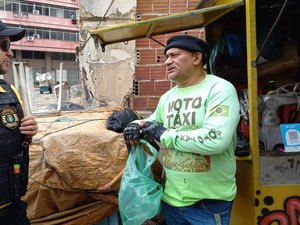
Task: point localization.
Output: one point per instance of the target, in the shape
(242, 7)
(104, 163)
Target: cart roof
(165, 24)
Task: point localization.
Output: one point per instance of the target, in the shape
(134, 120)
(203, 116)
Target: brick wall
(150, 73)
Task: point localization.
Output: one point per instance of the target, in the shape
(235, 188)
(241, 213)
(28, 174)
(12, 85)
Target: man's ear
(197, 58)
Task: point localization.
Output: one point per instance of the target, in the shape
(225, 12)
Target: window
(69, 13)
(73, 76)
(39, 55)
(60, 35)
(45, 34)
(49, 34)
(53, 35)
(43, 9)
(59, 13)
(24, 8)
(8, 6)
(38, 33)
(64, 75)
(67, 36)
(52, 12)
(33, 55)
(66, 13)
(73, 37)
(68, 56)
(27, 54)
(30, 8)
(2, 5)
(46, 10)
(30, 32)
(57, 35)
(63, 56)
(15, 8)
(56, 56)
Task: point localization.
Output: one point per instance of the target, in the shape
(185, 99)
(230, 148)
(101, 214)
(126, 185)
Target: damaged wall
(150, 71)
(135, 70)
(106, 77)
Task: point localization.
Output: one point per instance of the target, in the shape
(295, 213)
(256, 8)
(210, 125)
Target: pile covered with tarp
(75, 169)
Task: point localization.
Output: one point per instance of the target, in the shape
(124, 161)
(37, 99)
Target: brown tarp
(75, 169)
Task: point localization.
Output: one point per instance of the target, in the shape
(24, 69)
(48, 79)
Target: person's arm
(218, 128)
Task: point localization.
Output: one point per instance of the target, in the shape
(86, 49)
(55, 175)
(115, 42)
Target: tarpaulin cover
(75, 169)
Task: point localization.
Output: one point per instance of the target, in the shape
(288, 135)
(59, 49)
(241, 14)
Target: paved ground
(70, 99)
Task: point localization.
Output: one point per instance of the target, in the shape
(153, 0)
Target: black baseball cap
(189, 43)
(14, 34)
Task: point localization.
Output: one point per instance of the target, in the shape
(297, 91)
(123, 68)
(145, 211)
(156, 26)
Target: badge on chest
(9, 117)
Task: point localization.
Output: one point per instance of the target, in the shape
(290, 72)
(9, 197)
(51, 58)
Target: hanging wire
(69, 126)
(103, 18)
(157, 41)
(271, 30)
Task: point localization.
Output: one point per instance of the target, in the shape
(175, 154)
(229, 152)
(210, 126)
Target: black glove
(118, 120)
(153, 129)
(132, 132)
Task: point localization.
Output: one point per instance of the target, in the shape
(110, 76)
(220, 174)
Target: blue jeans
(205, 212)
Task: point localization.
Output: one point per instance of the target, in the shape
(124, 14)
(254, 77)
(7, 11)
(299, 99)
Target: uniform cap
(14, 34)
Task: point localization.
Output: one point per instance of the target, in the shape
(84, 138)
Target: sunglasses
(5, 45)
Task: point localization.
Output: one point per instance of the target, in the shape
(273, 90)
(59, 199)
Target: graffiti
(290, 215)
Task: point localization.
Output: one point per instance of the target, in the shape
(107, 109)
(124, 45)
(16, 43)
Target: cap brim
(13, 34)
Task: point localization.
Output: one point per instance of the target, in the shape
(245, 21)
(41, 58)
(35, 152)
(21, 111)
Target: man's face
(5, 56)
(180, 64)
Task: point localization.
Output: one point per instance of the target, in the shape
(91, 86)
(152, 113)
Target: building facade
(51, 35)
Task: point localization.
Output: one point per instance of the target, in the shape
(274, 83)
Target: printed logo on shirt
(182, 112)
(186, 161)
(210, 135)
(9, 117)
(221, 110)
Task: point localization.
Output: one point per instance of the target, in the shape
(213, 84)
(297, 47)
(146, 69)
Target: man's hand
(153, 129)
(132, 133)
(28, 127)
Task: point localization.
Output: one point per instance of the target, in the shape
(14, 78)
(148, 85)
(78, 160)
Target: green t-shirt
(200, 141)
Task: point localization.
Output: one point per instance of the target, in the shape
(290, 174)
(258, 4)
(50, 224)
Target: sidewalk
(49, 101)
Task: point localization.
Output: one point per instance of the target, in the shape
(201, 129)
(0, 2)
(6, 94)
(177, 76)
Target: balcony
(63, 3)
(36, 20)
(45, 45)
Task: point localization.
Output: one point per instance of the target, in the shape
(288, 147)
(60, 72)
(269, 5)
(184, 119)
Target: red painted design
(290, 215)
(292, 206)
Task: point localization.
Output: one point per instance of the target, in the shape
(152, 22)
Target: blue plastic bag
(139, 195)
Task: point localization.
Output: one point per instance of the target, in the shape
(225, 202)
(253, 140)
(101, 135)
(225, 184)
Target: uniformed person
(16, 132)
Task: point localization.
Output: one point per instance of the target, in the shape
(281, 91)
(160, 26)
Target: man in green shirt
(195, 122)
